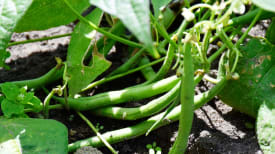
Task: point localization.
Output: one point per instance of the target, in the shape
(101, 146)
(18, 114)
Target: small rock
(88, 150)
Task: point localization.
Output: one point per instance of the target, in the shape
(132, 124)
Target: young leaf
(266, 127)
(133, 13)
(10, 12)
(79, 74)
(11, 108)
(268, 5)
(158, 4)
(256, 83)
(36, 136)
(44, 14)
(11, 91)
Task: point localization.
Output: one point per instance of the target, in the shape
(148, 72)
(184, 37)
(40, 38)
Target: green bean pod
(165, 66)
(120, 96)
(141, 128)
(53, 75)
(151, 108)
(187, 93)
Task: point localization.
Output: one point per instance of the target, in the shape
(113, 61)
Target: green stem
(121, 96)
(162, 31)
(231, 46)
(130, 63)
(47, 103)
(187, 93)
(249, 28)
(106, 33)
(107, 79)
(97, 133)
(141, 128)
(39, 39)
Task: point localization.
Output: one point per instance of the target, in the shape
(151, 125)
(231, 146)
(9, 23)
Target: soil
(217, 128)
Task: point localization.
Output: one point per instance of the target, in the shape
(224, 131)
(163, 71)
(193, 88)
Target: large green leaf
(270, 33)
(257, 79)
(82, 37)
(158, 4)
(133, 13)
(10, 12)
(33, 136)
(44, 14)
(266, 127)
(268, 5)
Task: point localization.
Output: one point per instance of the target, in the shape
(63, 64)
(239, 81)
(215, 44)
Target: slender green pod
(141, 128)
(147, 72)
(120, 96)
(187, 93)
(151, 108)
(165, 66)
(246, 18)
(53, 75)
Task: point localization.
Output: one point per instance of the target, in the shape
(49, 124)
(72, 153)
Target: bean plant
(178, 38)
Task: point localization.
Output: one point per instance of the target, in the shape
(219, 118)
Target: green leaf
(256, 83)
(11, 108)
(268, 5)
(3, 56)
(158, 4)
(133, 13)
(35, 104)
(10, 12)
(11, 91)
(44, 14)
(270, 33)
(79, 74)
(266, 127)
(33, 136)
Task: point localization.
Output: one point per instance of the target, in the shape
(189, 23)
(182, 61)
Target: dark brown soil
(217, 129)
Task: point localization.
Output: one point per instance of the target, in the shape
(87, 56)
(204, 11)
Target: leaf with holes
(80, 75)
(158, 4)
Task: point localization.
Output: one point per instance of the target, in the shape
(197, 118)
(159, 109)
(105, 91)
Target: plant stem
(39, 39)
(97, 133)
(163, 31)
(107, 79)
(127, 65)
(47, 103)
(249, 28)
(106, 33)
